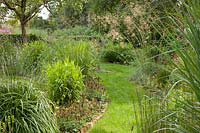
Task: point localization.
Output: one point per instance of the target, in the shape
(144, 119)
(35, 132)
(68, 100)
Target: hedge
(17, 38)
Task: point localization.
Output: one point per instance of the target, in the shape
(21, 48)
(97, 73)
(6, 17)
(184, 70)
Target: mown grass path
(119, 117)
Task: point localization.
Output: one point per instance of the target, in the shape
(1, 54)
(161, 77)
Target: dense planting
(17, 39)
(65, 82)
(146, 53)
(31, 58)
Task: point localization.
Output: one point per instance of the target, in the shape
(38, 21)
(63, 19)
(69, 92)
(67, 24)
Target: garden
(100, 66)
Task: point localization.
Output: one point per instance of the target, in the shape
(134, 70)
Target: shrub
(40, 23)
(31, 56)
(24, 109)
(122, 54)
(77, 31)
(65, 82)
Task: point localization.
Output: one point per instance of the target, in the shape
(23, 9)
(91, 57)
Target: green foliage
(159, 55)
(129, 22)
(148, 112)
(69, 13)
(41, 23)
(178, 113)
(81, 52)
(189, 73)
(152, 52)
(186, 119)
(102, 6)
(65, 82)
(91, 93)
(153, 66)
(17, 38)
(31, 56)
(83, 55)
(9, 59)
(77, 31)
(25, 109)
(138, 22)
(122, 54)
(3, 13)
(70, 125)
(188, 123)
(121, 94)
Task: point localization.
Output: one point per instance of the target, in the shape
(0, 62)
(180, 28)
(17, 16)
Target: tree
(24, 10)
(3, 12)
(68, 13)
(102, 6)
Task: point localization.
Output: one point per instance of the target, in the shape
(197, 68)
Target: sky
(44, 13)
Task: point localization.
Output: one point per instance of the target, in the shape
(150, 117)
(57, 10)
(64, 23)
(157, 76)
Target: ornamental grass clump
(179, 110)
(24, 109)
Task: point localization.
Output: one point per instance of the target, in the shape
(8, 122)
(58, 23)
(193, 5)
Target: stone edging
(89, 125)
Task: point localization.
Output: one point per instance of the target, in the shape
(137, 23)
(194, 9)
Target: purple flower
(5, 31)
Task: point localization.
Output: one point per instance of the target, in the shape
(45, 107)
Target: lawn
(119, 117)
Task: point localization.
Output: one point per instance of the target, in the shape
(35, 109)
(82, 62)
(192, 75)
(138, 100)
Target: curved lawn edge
(119, 116)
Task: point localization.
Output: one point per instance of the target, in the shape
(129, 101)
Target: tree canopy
(24, 10)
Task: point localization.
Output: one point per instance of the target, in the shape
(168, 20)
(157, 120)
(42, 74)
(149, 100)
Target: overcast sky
(44, 13)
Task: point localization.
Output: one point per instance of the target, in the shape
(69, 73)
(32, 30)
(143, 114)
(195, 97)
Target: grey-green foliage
(65, 82)
(186, 118)
(179, 113)
(9, 59)
(24, 109)
(152, 76)
(148, 112)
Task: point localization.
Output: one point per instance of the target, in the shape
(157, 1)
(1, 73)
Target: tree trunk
(24, 35)
(89, 19)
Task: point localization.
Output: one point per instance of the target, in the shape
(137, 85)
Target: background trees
(24, 11)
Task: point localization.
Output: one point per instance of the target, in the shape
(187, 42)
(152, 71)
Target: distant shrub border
(122, 54)
(17, 38)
